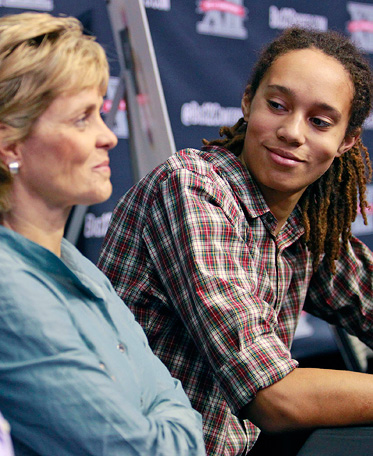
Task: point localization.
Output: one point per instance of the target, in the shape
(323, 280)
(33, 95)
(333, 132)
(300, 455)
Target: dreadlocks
(329, 205)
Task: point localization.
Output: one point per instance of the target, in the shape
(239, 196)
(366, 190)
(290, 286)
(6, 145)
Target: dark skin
(297, 122)
(310, 398)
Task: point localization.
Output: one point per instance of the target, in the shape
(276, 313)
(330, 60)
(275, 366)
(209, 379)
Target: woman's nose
(292, 129)
(107, 137)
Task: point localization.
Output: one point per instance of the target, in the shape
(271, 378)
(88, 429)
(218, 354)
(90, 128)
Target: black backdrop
(205, 50)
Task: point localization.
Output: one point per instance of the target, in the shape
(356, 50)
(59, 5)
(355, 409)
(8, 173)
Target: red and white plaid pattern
(190, 249)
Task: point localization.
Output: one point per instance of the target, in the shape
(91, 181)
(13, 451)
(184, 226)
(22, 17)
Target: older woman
(76, 373)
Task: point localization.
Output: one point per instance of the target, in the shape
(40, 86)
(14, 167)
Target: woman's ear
(9, 151)
(348, 142)
(245, 106)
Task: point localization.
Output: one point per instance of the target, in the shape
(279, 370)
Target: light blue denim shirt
(77, 376)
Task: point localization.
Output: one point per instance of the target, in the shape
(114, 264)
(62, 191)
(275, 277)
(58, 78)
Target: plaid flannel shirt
(190, 249)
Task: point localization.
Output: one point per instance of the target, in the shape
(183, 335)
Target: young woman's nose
(292, 129)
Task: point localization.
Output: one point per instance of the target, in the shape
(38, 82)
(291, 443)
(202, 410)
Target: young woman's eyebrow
(323, 106)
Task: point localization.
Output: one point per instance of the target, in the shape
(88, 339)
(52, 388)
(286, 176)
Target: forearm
(309, 398)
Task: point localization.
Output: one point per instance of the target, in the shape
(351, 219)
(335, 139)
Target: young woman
(228, 244)
(76, 373)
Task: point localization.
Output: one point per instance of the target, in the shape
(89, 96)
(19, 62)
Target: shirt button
(102, 366)
(121, 348)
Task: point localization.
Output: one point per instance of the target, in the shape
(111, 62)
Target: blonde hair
(41, 57)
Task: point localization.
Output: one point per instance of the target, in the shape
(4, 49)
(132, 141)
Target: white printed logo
(208, 114)
(361, 25)
(162, 5)
(96, 226)
(40, 5)
(288, 17)
(222, 18)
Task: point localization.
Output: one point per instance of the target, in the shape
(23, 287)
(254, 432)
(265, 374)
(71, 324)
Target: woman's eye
(82, 121)
(320, 123)
(275, 105)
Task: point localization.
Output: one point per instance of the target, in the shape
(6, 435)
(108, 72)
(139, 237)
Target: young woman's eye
(275, 105)
(320, 123)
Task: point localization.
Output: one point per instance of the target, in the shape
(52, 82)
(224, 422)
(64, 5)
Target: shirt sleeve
(205, 260)
(346, 298)
(59, 400)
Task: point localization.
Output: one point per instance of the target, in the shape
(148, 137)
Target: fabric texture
(77, 376)
(190, 249)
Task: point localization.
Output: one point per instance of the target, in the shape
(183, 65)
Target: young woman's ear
(245, 106)
(348, 142)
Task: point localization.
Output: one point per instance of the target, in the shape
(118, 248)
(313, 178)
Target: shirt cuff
(266, 361)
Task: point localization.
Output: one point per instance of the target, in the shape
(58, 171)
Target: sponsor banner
(281, 18)
(208, 114)
(222, 18)
(96, 226)
(205, 50)
(162, 5)
(360, 26)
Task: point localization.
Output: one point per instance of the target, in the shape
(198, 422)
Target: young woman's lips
(283, 157)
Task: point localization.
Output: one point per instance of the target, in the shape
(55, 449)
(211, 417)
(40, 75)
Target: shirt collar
(247, 190)
(239, 178)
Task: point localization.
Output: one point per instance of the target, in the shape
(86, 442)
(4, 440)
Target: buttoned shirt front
(191, 249)
(77, 376)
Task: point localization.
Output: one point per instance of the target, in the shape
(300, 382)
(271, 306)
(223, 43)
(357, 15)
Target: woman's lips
(283, 157)
(103, 167)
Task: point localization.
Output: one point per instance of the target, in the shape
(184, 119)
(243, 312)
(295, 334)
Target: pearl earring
(13, 167)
